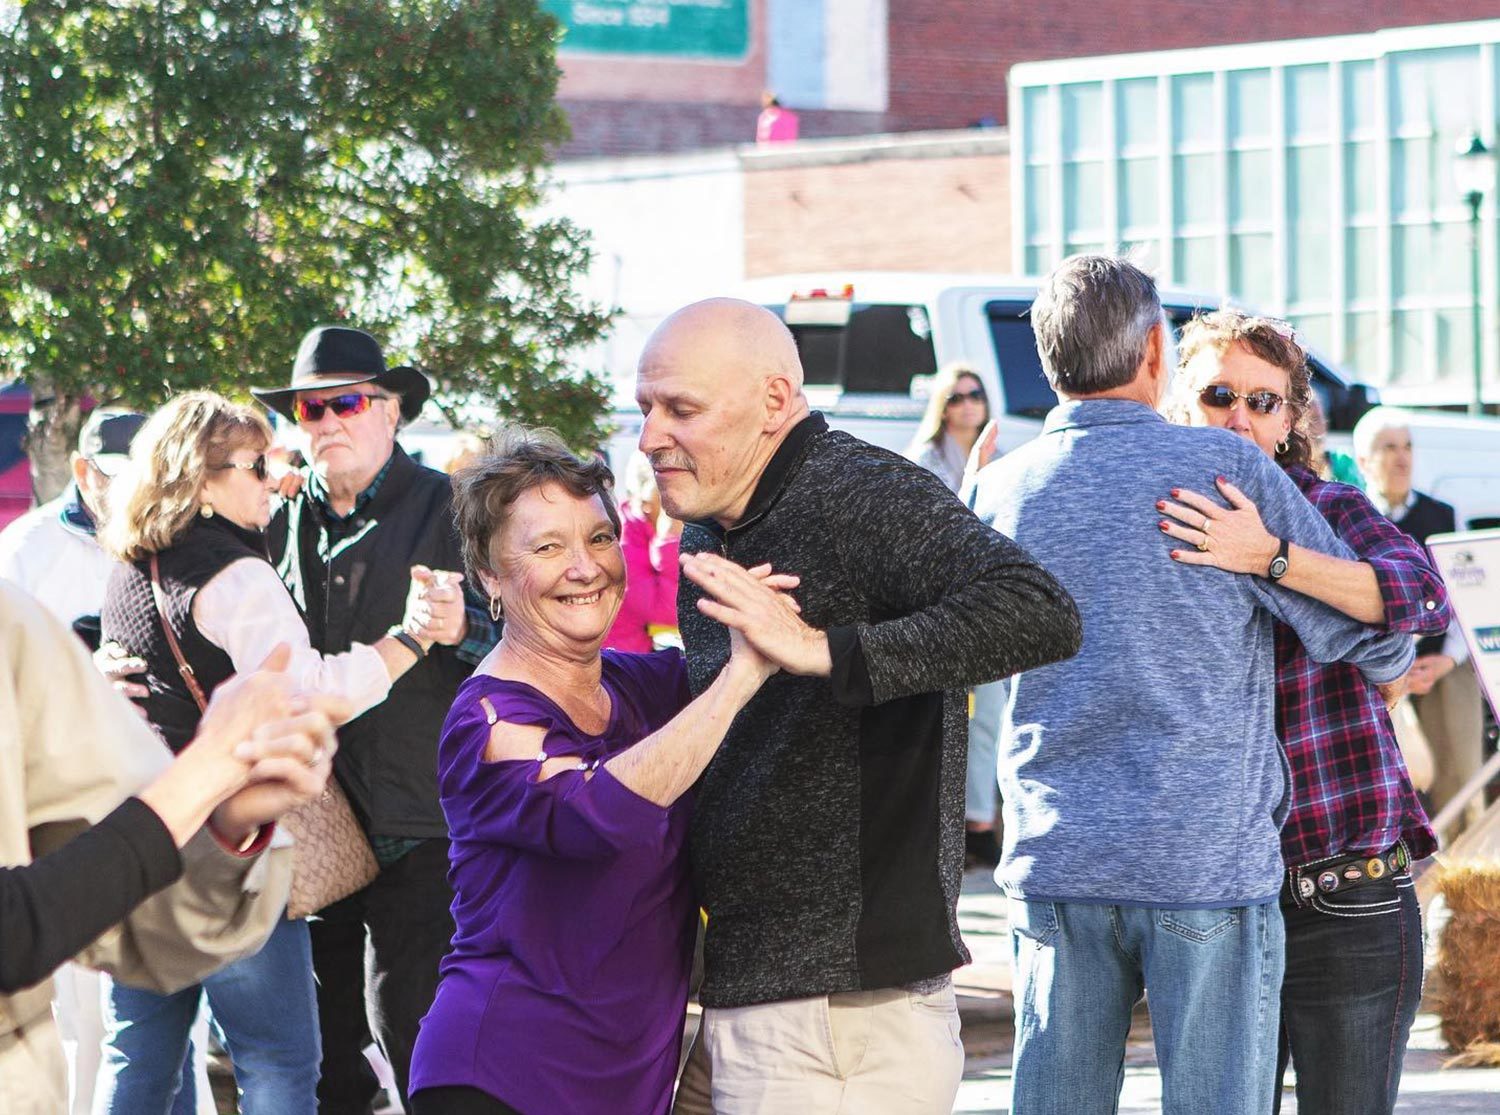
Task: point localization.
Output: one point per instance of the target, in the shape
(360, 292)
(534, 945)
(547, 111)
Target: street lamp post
(1474, 168)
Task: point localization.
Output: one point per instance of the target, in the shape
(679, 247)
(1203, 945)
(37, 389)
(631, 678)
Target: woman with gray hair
(565, 774)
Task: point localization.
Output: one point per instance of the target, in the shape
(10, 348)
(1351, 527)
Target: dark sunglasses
(1220, 397)
(343, 406)
(974, 396)
(257, 466)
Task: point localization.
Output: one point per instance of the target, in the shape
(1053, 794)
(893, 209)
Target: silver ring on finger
(1204, 527)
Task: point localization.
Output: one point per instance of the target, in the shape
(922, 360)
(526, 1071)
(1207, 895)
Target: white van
(871, 340)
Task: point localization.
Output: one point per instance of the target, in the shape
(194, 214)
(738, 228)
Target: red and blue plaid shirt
(1350, 789)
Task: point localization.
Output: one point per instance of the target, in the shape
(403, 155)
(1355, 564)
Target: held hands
(120, 668)
(1427, 671)
(435, 607)
(1231, 538)
(754, 603)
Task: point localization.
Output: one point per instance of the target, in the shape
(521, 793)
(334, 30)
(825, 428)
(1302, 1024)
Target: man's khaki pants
(888, 1052)
(1452, 718)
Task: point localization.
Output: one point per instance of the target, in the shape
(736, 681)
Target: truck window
(877, 350)
(1026, 391)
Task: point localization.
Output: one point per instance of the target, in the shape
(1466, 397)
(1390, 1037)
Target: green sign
(672, 28)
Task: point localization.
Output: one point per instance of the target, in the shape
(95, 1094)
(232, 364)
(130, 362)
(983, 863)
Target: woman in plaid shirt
(1353, 925)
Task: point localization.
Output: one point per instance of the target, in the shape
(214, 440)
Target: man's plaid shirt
(1350, 789)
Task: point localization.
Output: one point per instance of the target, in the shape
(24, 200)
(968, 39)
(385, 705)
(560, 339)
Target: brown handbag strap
(166, 625)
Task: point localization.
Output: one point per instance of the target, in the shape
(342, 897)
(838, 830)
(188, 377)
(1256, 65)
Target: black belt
(1342, 873)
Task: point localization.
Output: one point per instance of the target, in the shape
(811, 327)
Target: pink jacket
(650, 585)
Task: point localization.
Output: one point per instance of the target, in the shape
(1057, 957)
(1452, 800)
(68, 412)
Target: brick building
(634, 82)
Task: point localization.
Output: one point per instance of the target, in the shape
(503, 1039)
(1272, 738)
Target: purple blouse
(566, 983)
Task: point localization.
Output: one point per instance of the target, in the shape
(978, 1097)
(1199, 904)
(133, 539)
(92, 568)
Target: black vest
(130, 618)
(1427, 517)
(353, 591)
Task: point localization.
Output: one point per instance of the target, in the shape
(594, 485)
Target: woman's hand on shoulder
(1231, 538)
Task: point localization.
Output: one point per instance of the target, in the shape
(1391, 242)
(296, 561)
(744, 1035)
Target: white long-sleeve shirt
(246, 611)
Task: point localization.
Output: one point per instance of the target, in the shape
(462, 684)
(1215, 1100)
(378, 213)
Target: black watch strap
(1279, 562)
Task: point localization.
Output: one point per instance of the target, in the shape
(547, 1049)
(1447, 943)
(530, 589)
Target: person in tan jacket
(159, 888)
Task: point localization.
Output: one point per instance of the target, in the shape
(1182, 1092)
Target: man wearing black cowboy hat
(369, 521)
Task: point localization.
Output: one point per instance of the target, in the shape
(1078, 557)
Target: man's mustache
(666, 459)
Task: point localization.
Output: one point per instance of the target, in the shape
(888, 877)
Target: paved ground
(985, 1003)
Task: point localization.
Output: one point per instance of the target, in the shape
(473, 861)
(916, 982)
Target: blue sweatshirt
(1146, 770)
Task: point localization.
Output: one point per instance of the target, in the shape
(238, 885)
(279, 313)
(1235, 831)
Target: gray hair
(1092, 317)
(1375, 422)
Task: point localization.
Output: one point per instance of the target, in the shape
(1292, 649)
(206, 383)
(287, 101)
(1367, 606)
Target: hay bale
(1468, 960)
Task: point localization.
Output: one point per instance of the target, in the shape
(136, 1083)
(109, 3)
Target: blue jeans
(1353, 983)
(265, 1009)
(981, 787)
(1213, 978)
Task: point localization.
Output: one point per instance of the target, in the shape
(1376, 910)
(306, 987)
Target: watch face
(1278, 568)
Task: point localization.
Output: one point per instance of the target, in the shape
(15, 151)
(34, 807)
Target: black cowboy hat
(337, 356)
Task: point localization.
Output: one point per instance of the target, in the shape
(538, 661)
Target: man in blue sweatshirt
(1144, 785)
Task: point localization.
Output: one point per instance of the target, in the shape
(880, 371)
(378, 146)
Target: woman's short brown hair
(520, 458)
(1275, 342)
(154, 500)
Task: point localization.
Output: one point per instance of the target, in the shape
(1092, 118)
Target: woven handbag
(331, 858)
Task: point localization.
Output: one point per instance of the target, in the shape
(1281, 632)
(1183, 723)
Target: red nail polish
(1161, 505)
(1162, 524)
(1176, 493)
(1176, 555)
(1221, 480)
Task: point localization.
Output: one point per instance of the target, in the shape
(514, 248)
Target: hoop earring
(1283, 446)
(207, 510)
(497, 608)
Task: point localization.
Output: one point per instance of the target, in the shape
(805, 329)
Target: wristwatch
(1279, 563)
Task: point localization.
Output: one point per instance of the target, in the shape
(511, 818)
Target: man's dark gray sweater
(827, 837)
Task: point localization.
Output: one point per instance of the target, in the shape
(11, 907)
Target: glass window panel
(1412, 173)
(1410, 245)
(1251, 268)
(1083, 120)
(1037, 104)
(1038, 200)
(1249, 188)
(1249, 105)
(1361, 185)
(1039, 259)
(1195, 186)
(1083, 199)
(1452, 259)
(1455, 345)
(1316, 328)
(1085, 247)
(1360, 104)
(1139, 200)
(1409, 345)
(1362, 345)
(1309, 277)
(1137, 126)
(1145, 254)
(1362, 262)
(1193, 109)
(1308, 185)
(1307, 102)
(1434, 88)
(1195, 262)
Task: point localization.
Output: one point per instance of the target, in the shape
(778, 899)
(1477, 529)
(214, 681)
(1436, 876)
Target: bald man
(828, 835)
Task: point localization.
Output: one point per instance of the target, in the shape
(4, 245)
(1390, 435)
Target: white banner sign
(1470, 565)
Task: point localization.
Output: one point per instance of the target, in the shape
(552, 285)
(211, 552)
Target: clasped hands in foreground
(755, 605)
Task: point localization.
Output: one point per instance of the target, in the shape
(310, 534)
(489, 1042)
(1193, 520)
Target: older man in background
(368, 522)
(1143, 782)
(1444, 688)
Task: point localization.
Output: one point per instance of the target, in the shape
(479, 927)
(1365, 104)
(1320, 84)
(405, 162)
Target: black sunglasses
(1220, 397)
(974, 396)
(257, 466)
(343, 406)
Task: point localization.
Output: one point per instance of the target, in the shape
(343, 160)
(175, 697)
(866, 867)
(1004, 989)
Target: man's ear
(779, 399)
(80, 466)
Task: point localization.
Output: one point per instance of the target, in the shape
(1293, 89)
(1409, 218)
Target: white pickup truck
(870, 340)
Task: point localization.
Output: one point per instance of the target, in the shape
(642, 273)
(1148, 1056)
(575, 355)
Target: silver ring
(318, 755)
(1204, 527)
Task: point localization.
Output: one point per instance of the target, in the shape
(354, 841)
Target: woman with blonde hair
(957, 411)
(196, 601)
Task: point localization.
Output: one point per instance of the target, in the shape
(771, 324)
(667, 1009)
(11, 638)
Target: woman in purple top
(564, 775)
